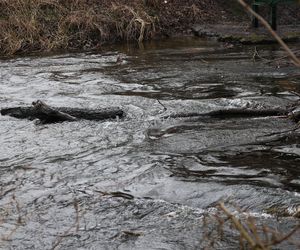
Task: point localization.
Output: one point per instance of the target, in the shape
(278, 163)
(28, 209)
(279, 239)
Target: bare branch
(293, 57)
(238, 226)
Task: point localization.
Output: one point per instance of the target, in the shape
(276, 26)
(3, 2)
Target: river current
(63, 185)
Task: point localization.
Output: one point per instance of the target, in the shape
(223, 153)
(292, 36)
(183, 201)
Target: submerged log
(47, 114)
(234, 112)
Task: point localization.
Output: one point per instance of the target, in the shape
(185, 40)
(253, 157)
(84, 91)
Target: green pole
(274, 16)
(254, 19)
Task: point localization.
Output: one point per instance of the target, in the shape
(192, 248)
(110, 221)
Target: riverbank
(233, 33)
(59, 25)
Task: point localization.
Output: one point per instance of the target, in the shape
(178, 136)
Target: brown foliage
(33, 25)
(47, 25)
(251, 233)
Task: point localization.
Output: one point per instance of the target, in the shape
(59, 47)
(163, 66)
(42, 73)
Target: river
(56, 179)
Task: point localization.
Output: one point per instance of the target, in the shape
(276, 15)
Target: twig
(18, 221)
(255, 54)
(204, 61)
(280, 58)
(252, 226)
(116, 194)
(165, 109)
(266, 61)
(74, 225)
(277, 241)
(295, 93)
(238, 226)
(257, 242)
(279, 133)
(295, 60)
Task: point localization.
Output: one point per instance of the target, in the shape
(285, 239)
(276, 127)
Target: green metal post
(254, 19)
(274, 16)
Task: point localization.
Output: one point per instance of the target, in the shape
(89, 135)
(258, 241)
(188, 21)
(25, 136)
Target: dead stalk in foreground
(293, 57)
(75, 226)
(252, 235)
(14, 203)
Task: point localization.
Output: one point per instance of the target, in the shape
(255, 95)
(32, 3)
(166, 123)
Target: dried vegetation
(32, 25)
(250, 233)
(53, 25)
(47, 25)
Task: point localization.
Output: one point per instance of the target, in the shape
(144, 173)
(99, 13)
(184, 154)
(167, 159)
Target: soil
(244, 34)
(183, 15)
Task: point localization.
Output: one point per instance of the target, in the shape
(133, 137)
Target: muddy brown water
(52, 177)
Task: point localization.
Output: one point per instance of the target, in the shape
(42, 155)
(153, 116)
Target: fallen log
(46, 114)
(234, 112)
(49, 115)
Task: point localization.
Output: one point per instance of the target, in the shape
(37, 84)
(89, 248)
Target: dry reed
(46, 25)
(251, 233)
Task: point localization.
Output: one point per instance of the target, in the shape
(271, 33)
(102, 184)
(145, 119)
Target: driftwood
(47, 114)
(237, 112)
(292, 112)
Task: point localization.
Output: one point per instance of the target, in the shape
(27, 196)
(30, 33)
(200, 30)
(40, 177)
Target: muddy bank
(32, 26)
(247, 35)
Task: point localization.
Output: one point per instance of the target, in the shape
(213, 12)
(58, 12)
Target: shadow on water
(63, 184)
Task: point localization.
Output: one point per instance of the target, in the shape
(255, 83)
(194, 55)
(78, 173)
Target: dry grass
(251, 233)
(44, 25)
(49, 25)
(10, 219)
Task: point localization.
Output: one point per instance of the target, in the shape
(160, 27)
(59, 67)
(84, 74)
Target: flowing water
(56, 179)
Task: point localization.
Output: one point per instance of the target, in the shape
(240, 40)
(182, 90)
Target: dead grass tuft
(132, 24)
(251, 233)
(48, 25)
(44, 25)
